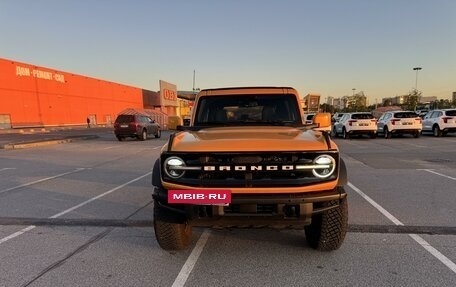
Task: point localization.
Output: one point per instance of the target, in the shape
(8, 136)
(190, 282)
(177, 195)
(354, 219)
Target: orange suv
(251, 148)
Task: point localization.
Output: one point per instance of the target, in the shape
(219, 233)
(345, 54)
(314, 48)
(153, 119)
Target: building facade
(35, 96)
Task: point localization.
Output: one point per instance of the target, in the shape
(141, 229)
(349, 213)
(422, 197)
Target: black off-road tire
(172, 230)
(173, 236)
(327, 230)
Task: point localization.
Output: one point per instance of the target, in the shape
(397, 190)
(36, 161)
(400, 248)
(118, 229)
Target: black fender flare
(343, 177)
(156, 174)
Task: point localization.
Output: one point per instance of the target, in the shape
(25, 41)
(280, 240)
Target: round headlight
(173, 167)
(328, 165)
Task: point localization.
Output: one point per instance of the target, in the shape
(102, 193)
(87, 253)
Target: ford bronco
(252, 143)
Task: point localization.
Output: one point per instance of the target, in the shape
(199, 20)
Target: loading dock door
(5, 121)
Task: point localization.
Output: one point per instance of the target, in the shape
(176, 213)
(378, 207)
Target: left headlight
(174, 167)
(325, 165)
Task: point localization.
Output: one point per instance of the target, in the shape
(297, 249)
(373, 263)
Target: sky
(328, 47)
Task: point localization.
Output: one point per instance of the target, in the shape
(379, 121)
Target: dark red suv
(136, 126)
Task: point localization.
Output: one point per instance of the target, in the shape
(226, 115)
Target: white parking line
(440, 174)
(7, 168)
(16, 234)
(414, 145)
(442, 258)
(41, 180)
(376, 205)
(111, 147)
(28, 228)
(191, 260)
(99, 196)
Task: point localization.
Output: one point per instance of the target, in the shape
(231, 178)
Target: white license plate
(407, 124)
(124, 126)
(363, 125)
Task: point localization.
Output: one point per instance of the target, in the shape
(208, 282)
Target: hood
(247, 139)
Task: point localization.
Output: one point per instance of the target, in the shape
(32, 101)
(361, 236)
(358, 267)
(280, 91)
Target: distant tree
(371, 107)
(442, 104)
(412, 100)
(357, 103)
(327, 108)
(387, 102)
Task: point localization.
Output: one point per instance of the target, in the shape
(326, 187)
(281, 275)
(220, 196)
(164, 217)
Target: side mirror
(322, 120)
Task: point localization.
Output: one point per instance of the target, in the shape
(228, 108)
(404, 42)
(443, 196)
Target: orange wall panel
(39, 96)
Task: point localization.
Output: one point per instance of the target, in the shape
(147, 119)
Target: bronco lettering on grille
(247, 168)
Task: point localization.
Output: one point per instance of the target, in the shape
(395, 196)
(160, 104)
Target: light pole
(193, 82)
(416, 78)
(353, 91)
(416, 98)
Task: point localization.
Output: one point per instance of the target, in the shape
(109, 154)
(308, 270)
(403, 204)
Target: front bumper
(247, 210)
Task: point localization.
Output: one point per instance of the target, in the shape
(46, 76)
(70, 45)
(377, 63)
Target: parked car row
(438, 122)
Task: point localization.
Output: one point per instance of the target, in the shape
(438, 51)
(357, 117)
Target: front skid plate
(234, 221)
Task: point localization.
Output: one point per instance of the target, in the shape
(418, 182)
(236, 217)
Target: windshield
(248, 110)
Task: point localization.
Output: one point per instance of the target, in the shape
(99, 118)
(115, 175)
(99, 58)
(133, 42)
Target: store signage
(40, 74)
(168, 94)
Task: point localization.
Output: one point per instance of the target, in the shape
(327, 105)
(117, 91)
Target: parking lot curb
(46, 142)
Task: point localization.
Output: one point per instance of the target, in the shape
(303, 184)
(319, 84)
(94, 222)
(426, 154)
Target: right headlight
(324, 166)
(174, 167)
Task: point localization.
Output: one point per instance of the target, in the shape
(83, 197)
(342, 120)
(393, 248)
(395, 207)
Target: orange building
(38, 96)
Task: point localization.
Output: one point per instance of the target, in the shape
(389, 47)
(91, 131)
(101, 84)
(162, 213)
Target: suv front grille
(248, 169)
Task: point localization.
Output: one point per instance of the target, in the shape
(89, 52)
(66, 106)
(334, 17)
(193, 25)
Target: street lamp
(353, 91)
(193, 89)
(416, 79)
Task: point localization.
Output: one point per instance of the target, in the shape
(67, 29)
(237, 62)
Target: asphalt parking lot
(79, 214)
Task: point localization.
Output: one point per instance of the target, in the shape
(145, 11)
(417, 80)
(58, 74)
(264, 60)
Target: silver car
(440, 122)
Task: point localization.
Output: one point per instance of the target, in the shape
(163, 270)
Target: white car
(440, 122)
(355, 124)
(336, 117)
(399, 122)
